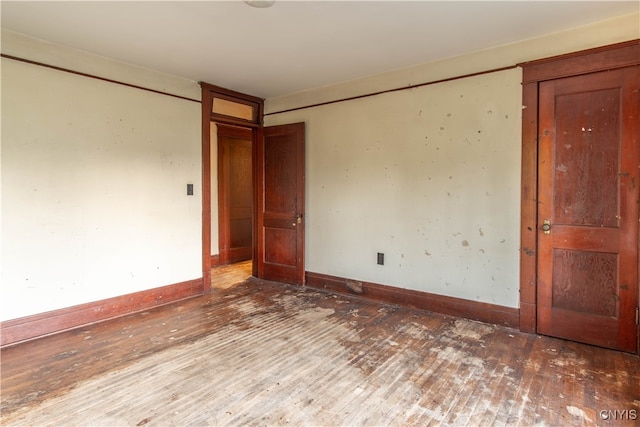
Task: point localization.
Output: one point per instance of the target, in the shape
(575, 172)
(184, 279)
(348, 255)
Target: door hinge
(637, 316)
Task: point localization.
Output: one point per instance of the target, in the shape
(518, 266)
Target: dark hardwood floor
(262, 353)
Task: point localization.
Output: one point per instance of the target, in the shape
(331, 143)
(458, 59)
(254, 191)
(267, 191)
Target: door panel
(588, 196)
(281, 204)
(586, 161)
(235, 193)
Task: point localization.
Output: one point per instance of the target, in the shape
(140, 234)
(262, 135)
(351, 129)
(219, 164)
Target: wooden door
(280, 225)
(235, 194)
(588, 180)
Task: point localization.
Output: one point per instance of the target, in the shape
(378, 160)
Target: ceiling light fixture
(260, 3)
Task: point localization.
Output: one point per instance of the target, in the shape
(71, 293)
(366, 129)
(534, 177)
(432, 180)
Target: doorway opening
(235, 194)
(231, 123)
(234, 204)
(275, 207)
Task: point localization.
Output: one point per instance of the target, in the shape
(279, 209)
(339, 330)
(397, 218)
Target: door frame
(209, 93)
(603, 58)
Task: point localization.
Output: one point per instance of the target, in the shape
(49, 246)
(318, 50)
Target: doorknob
(298, 220)
(546, 226)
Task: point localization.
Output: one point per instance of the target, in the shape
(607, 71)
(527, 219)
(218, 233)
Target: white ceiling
(293, 45)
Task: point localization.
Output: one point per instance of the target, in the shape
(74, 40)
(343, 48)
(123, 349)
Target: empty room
(320, 213)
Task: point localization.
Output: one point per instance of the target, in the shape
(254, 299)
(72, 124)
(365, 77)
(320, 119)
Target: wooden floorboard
(226, 276)
(262, 353)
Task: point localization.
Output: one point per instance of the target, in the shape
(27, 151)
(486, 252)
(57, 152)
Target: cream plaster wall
(94, 177)
(429, 176)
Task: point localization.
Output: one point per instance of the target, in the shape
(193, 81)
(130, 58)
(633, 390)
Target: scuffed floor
(281, 355)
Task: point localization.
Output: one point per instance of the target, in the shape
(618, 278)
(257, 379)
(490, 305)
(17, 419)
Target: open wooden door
(280, 173)
(588, 195)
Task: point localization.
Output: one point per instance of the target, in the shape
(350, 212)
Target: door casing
(584, 62)
(209, 92)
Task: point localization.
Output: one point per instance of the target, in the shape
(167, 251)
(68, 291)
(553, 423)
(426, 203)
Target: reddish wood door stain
(235, 194)
(589, 159)
(281, 204)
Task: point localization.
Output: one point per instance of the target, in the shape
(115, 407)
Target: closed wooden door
(281, 217)
(235, 194)
(588, 192)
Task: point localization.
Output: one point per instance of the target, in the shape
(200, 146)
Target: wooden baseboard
(38, 325)
(484, 312)
(215, 260)
(30, 327)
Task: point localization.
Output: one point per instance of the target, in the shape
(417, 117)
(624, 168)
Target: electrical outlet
(189, 189)
(380, 258)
